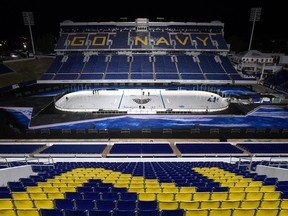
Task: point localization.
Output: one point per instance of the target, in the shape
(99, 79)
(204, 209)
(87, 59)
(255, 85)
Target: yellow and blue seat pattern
(93, 188)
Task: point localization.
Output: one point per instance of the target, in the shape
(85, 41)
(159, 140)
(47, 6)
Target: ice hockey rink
(138, 101)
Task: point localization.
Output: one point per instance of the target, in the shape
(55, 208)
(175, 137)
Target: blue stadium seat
(51, 212)
(64, 204)
(100, 213)
(177, 212)
(75, 212)
(148, 213)
(85, 204)
(124, 213)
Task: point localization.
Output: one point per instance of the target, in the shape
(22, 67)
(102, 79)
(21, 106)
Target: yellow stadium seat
(220, 180)
(34, 196)
(267, 188)
(44, 184)
(165, 197)
(53, 181)
(147, 181)
(23, 204)
(284, 203)
(121, 185)
(46, 204)
(250, 204)
(20, 195)
(7, 212)
(230, 204)
(243, 212)
(147, 196)
(220, 212)
(135, 181)
(252, 189)
(242, 179)
(55, 195)
(187, 189)
(80, 181)
(237, 196)
(219, 196)
(74, 184)
(197, 212)
(207, 204)
(110, 180)
(137, 190)
(266, 212)
(170, 190)
(59, 184)
(254, 195)
(33, 189)
(6, 204)
(153, 190)
(272, 195)
(168, 205)
(255, 184)
(127, 175)
(50, 189)
(231, 175)
(283, 212)
(67, 181)
(201, 196)
(124, 181)
(168, 185)
(236, 189)
(189, 205)
(232, 180)
(141, 180)
(228, 184)
(183, 196)
(270, 204)
(152, 184)
(136, 185)
(67, 189)
(241, 184)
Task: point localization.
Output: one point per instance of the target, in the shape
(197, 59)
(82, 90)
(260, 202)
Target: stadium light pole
(29, 20)
(254, 17)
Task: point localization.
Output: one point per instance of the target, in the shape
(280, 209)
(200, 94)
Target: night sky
(234, 14)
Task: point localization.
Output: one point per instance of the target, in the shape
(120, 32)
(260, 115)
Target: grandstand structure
(142, 51)
(143, 118)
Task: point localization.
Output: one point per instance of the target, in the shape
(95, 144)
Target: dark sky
(234, 14)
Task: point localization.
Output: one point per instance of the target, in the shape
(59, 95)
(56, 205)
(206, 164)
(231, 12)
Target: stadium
(144, 118)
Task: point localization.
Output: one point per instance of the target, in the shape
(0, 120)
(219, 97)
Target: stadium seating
(114, 54)
(169, 200)
(146, 178)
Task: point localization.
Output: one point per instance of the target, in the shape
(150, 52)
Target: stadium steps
(106, 151)
(175, 149)
(39, 150)
(177, 69)
(219, 61)
(204, 74)
(245, 151)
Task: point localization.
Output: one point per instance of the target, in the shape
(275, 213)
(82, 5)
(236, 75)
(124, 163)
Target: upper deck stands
(125, 40)
(142, 51)
(151, 35)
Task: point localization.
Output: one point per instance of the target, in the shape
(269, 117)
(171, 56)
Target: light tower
(29, 20)
(254, 17)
